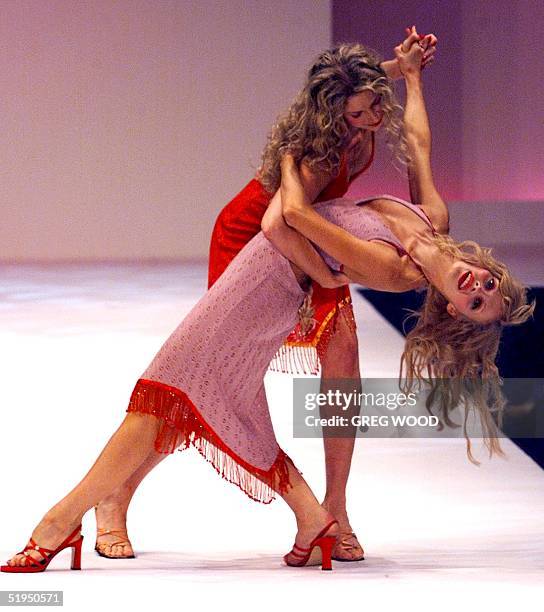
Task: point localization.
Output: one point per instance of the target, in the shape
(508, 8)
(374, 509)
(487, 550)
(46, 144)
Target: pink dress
(206, 382)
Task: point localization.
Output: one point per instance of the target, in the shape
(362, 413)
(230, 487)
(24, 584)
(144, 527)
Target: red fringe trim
(305, 357)
(295, 359)
(182, 424)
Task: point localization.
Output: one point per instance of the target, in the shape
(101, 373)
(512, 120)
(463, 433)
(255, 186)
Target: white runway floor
(439, 533)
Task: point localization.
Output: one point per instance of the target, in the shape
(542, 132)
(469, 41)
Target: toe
(291, 559)
(348, 548)
(352, 555)
(288, 558)
(123, 550)
(104, 549)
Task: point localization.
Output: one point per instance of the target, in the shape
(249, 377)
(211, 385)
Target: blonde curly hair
(314, 128)
(456, 357)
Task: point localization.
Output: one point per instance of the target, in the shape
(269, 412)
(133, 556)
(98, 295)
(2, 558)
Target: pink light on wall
(484, 92)
(503, 93)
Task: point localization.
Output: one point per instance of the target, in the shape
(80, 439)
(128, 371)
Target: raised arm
(418, 136)
(361, 154)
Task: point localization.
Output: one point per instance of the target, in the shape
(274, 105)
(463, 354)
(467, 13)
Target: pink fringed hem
(305, 357)
(182, 424)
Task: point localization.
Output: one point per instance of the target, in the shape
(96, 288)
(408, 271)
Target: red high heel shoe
(33, 565)
(324, 542)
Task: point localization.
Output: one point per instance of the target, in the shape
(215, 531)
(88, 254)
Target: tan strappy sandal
(343, 544)
(122, 533)
(118, 532)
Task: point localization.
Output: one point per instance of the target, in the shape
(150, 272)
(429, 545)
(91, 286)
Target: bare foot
(307, 531)
(348, 547)
(50, 532)
(111, 528)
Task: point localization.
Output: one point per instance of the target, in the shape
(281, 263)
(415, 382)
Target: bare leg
(309, 514)
(129, 446)
(341, 362)
(111, 512)
(311, 517)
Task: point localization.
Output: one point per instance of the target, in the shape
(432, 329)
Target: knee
(342, 354)
(142, 423)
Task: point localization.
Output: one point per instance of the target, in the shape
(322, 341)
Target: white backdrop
(128, 125)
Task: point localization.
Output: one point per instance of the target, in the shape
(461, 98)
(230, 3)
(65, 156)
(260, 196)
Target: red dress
(238, 222)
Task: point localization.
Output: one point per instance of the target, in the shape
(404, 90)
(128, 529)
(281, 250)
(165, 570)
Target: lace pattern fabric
(217, 358)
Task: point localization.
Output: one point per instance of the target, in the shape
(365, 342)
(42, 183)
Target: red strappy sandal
(324, 542)
(33, 565)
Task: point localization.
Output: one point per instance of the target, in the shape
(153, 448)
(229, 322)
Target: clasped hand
(415, 52)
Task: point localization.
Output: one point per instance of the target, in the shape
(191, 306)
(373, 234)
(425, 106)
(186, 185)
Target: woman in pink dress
(213, 364)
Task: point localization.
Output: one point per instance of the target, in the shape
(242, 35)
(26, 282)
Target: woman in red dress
(330, 129)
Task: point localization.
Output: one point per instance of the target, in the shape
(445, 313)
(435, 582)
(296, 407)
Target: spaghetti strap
(413, 207)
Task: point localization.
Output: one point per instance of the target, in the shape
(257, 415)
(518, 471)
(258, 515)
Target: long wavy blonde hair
(314, 129)
(456, 356)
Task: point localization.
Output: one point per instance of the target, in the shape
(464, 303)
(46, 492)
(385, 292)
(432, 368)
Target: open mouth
(465, 280)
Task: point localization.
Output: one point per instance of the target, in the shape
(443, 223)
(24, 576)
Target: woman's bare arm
(373, 264)
(418, 137)
(403, 275)
(293, 245)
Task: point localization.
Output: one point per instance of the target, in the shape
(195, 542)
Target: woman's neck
(358, 136)
(424, 251)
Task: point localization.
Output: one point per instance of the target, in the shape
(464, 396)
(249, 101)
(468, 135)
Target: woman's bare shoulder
(313, 179)
(404, 274)
(410, 276)
(438, 215)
